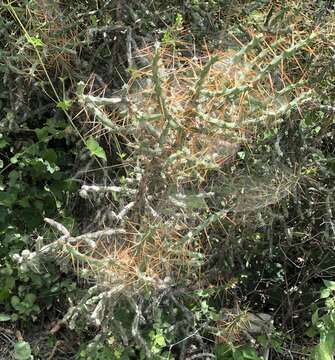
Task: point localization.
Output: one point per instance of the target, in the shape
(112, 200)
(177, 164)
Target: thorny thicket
(224, 166)
(184, 129)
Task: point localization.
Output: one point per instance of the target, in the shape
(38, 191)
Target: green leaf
(15, 302)
(262, 340)
(159, 339)
(241, 154)
(30, 298)
(329, 284)
(223, 352)
(250, 354)
(311, 332)
(204, 306)
(64, 104)
(325, 293)
(14, 159)
(95, 148)
(257, 16)
(49, 155)
(315, 317)
(3, 142)
(13, 177)
(7, 198)
(34, 40)
(42, 134)
(93, 19)
(22, 351)
(4, 317)
(51, 168)
(325, 349)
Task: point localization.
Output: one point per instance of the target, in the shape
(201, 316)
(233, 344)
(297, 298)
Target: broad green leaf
(13, 177)
(42, 134)
(250, 354)
(95, 148)
(3, 142)
(15, 301)
(311, 332)
(30, 298)
(325, 349)
(22, 351)
(7, 198)
(49, 155)
(223, 352)
(4, 317)
(14, 159)
(324, 293)
(159, 339)
(315, 318)
(329, 284)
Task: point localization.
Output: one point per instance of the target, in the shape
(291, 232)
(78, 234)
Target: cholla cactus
(182, 120)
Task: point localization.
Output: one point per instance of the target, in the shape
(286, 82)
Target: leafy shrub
(325, 324)
(34, 184)
(34, 176)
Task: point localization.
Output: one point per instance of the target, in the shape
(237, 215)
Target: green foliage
(64, 104)
(324, 325)
(229, 352)
(34, 180)
(34, 185)
(22, 351)
(170, 36)
(95, 149)
(34, 40)
(4, 317)
(26, 306)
